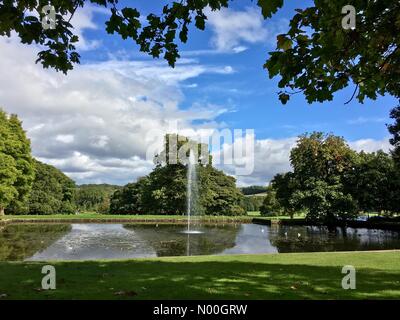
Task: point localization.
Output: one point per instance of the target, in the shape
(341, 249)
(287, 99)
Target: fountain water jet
(192, 192)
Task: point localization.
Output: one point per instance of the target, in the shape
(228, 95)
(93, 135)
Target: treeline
(28, 186)
(253, 190)
(329, 182)
(52, 192)
(332, 182)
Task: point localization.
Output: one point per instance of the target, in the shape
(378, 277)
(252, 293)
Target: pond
(37, 242)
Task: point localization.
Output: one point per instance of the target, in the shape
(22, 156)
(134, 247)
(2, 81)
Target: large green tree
(271, 206)
(316, 56)
(128, 199)
(16, 162)
(218, 193)
(52, 193)
(319, 164)
(374, 182)
(284, 186)
(164, 190)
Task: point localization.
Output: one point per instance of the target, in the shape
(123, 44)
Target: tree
(316, 56)
(128, 200)
(394, 129)
(164, 190)
(94, 197)
(270, 206)
(374, 182)
(325, 202)
(52, 193)
(285, 185)
(218, 193)
(252, 202)
(16, 163)
(320, 162)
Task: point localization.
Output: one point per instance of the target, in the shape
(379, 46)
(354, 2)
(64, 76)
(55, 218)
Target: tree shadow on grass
(199, 280)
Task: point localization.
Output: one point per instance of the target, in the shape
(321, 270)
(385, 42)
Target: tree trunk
(1, 211)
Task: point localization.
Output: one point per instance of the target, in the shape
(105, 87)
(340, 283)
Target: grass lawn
(273, 276)
(296, 216)
(96, 216)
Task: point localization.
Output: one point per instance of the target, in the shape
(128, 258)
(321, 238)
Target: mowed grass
(267, 276)
(96, 216)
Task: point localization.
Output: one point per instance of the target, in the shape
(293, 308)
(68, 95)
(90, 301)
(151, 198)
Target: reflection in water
(117, 241)
(170, 240)
(313, 239)
(96, 241)
(252, 239)
(18, 242)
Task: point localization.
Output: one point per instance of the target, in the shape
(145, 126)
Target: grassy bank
(274, 276)
(110, 217)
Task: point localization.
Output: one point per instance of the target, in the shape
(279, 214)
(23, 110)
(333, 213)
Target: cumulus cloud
(234, 30)
(370, 145)
(83, 20)
(94, 124)
(231, 28)
(271, 156)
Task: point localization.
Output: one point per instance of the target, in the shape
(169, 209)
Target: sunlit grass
(97, 216)
(273, 276)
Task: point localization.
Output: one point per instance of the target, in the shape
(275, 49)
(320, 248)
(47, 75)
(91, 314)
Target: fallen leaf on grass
(125, 293)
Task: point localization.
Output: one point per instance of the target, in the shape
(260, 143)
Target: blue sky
(92, 123)
(248, 92)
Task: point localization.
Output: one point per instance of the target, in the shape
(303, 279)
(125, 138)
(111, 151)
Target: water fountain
(192, 192)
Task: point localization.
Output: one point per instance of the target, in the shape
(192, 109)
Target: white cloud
(271, 156)
(93, 123)
(239, 49)
(66, 138)
(370, 145)
(364, 120)
(232, 28)
(83, 20)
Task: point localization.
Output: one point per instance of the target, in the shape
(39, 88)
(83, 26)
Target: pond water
(38, 242)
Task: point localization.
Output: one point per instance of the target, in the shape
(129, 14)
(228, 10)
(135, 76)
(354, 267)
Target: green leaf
(284, 98)
(200, 22)
(284, 42)
(269, 7)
